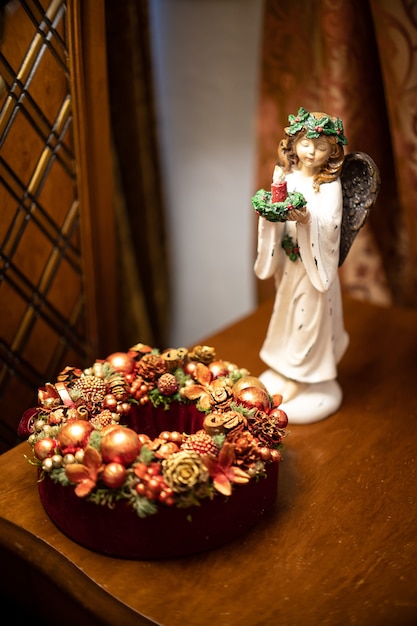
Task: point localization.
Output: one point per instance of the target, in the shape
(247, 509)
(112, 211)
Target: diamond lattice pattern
(41, 288)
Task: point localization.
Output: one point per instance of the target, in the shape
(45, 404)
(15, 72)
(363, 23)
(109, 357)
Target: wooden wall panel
(57, 256)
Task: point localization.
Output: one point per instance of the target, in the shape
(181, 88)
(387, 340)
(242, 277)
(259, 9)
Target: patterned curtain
(355, 59)
(144, 294)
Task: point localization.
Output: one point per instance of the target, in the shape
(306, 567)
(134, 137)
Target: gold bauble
(120, 445)
(113, 475)
(121, 362)
(248, 381)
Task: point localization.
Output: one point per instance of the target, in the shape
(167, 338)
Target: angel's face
(313, 153)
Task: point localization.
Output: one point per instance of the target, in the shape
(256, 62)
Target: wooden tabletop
(339, 547)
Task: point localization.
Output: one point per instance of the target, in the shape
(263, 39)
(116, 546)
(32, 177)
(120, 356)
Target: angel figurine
(319, 199)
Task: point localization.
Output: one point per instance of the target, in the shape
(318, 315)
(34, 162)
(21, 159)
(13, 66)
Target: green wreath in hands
(277, 211)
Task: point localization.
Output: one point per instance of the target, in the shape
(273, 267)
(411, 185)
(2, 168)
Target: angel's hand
(299, 215)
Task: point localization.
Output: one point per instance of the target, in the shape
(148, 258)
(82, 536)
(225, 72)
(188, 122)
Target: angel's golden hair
(287, 157)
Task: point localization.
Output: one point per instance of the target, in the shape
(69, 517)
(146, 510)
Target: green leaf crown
(315, 127)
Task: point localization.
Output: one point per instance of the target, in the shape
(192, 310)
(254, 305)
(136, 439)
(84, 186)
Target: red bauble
(120, 445)
(121, 362)
(254, 397)
(218, 369)
(44, 447)
(189, 368)
(74, 435)
(110, 402)
(113, 475)
(280, 417)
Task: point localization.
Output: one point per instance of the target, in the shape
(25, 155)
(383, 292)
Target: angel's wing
(360, 184)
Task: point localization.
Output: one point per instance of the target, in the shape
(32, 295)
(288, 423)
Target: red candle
(279, 190)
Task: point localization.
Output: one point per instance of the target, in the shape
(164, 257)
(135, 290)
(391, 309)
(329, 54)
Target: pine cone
(265, 428)
(118, 386)
(167, 384)
(89, 390)
(151, 367)
(202, 443)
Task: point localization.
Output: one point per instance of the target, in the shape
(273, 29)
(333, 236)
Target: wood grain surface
(339, 547)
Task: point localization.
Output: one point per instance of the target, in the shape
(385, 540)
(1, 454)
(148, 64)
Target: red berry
(150, 494)
(154, 484)
(265, 454)
(276, 456)
(154, 469)
(164, 495)
(140, 489)
(276, 400)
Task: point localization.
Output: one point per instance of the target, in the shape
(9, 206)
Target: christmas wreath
(277, 211)
(80, 435)
(316, 125)
(291, 248)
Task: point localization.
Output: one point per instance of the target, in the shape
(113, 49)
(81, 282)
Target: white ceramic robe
(306, 336)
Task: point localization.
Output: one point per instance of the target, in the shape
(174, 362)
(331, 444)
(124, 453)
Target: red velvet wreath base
(172, 532)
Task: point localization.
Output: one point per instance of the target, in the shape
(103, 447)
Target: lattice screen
(42, 308)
